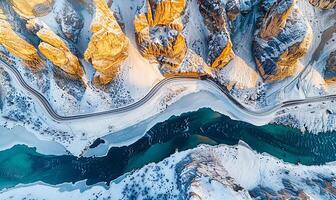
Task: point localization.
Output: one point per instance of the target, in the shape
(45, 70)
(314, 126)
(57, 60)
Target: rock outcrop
(275, 19)
(17, 46)
(70, 21)
(55, 49)
(330, 71)
(158, 29)
(283, 37)
(331, 62)
(232, 8)
(108, 46)
(194, 168)
(324, 4)
(32, 8)
(219, 43)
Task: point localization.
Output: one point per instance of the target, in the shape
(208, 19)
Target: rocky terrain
(330, 72)
(219, 42)
(108, 46)
(102, 69)
(324, 4)
(158, 30)
(17, 46)
(31, 9)
(54, 48)
(282, 36)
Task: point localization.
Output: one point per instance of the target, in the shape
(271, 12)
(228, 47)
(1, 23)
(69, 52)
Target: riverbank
(236, 171)
(172, 98)
(178, 133)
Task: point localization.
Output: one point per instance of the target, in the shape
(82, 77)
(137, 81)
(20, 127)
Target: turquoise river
(21, 164)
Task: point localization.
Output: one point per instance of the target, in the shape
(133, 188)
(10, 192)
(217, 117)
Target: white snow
(233, 165)
(240, 73)
(19, 135)
(197, 94)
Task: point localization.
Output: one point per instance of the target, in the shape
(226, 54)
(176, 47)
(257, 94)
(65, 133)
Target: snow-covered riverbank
(230, 171)
(174, 98)
(19, 135)
(76, 135)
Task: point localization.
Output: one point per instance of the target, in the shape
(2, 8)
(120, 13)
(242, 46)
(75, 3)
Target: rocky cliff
(330, 71)
(331, 62)
(282, 38)
(219, 43)
(108, 46)
(324, 4)
(158, 30)
(55, 49)
(71, 22)
(195, 36)
(275, 19)
(32, 8)
(18, 46)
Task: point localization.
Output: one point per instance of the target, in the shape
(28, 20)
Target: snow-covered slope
(206, 172)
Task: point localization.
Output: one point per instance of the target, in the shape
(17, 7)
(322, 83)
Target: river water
(21, 164)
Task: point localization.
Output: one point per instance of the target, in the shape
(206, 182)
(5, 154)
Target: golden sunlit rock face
(17, 46)
(164, 33)
(108, 46)
(32, 8)
(55, 49)
(283, 38)
(275, 19)
(324, 4)
(158, 30)
(219, 43)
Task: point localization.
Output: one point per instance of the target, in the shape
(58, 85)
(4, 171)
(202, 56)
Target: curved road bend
(151, 93)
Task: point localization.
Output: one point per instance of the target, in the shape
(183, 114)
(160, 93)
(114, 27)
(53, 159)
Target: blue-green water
(21, 164)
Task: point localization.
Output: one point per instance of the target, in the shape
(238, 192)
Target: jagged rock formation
(17, 46)
(219, 42)
(283, 37)
(324, 4)
(232, 8)
(330, 71)
(55, 49)
(70, 21)
(331, 62)
(158, 30)
(275, 19)
(108, 46)
(32, 8)
(194, 169)
(205, 170)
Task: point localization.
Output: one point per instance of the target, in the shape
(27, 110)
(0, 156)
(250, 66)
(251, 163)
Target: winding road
(58, 118)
